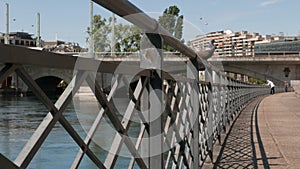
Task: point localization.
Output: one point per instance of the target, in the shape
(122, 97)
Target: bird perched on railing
(207, 52)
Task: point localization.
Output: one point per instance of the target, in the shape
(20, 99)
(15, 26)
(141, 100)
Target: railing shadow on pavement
(239, 149)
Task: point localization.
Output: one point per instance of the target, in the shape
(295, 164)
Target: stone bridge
(278, 68)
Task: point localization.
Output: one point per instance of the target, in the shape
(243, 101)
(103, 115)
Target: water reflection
(20, 116)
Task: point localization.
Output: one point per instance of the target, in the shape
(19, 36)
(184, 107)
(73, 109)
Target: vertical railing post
(230, 97)
(217, 86)
(208, 78)
(223, 101)
(145, 111)
(193, 73)
(151, 45)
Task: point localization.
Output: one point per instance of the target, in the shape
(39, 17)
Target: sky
(68, 20)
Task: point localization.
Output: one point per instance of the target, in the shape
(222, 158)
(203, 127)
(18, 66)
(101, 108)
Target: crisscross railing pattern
(219, 102)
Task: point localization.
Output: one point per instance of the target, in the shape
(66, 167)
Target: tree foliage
(173, 22)
(101, 32)
(127, 37)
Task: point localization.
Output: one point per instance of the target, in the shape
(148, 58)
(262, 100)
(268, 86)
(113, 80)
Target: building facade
(20, 38)
(230, 44)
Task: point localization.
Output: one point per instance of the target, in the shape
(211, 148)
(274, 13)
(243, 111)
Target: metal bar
(144, 116)
(193, 73)
(118, 139)
(85, 148)
(137, 144)
(44, 129)
(115, 121)
(11, 54)
(6, 163)
(210, 126)
(156, 159)
(174, 120)
(6, 71)
(93, 129)
(171, 119)
(36, 140)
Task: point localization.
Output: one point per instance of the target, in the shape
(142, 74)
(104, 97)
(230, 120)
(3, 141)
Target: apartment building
(228, 43)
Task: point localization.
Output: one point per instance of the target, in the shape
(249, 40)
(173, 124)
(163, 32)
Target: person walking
(286, 86)
(272, 86)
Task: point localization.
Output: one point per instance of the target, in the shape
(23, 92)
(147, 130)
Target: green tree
(100, 33)
(127, 37)
(255, 81)
(173, 22)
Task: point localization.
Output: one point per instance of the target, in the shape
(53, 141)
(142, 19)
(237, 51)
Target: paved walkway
(266, 138)
(279, 125)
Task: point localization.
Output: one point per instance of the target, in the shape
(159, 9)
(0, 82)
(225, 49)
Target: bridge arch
(51, 84)
(40, 74)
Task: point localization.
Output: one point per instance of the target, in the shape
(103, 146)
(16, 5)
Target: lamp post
(38, 36)
(112, 45)
(91, 37)
(6, 36)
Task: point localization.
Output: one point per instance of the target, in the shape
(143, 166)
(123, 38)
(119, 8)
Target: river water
(20, 116)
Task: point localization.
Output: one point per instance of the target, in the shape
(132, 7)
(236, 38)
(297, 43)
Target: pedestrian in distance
(286, 86)
(272, 86)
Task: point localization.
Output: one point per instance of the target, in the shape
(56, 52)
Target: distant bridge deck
(260, 59)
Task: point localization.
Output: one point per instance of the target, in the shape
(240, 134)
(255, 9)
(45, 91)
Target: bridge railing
(137, 54)
(191, 118)
(168, 121)
(277, 53)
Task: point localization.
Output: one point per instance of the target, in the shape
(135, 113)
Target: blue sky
(68, 19)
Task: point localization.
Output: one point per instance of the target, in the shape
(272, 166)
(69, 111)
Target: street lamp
(286, 71)
(112, 45)
(6, 37)
(91, 37)
(38, 36)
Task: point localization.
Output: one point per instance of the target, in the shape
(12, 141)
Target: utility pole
(38, 38)
(91, 37)
(6, 37)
